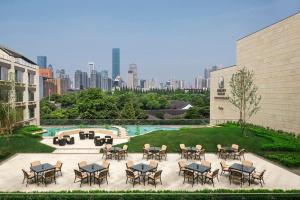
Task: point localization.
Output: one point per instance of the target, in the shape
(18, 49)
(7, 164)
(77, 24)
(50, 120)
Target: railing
(124, 122)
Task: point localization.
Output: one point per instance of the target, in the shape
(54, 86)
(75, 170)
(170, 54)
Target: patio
(11, 174)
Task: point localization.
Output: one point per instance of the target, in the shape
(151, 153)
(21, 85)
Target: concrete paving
(11, 174)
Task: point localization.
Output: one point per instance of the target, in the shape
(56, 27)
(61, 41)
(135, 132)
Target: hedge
(292, 195)
(124, 121)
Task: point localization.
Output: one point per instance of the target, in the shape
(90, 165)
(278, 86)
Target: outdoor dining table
(92, 169)
(39, 169)
(154, 149)
(191, 149)
(143, 169)
(228, 149)
(115, 149)
(198, 168)
(243, 169)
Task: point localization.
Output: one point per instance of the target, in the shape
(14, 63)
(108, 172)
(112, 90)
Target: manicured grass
(258, 140)
(22, 141)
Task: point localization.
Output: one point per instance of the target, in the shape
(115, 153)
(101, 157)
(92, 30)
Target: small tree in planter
(244, 95)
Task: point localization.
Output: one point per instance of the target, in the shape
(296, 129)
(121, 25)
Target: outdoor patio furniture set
(90, 135)
(101, 141)
(158, 153)
(42, 172)
(110, 152)
(62, 141)
(192, 152)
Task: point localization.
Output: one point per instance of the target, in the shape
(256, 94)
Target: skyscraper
(199, 82)
(115, 62)
(133, 81)
(85, 80)
(104, 80)
(78, 80)
(42, 61)
(93, 79)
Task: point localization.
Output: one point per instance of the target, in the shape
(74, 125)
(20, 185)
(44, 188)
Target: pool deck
(11, 174)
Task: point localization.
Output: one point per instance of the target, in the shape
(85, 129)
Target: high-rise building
(133, 81)
(142, 83)
(91, 66)
(93, 79)
(104, 80)
(63, 82)
(78, 80)
(199, 82)
(85, 80)
(207, 72)
(99, 79)
(42, 61)
(115, 63)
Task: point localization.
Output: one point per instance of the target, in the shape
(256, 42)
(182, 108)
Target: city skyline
(172, 43)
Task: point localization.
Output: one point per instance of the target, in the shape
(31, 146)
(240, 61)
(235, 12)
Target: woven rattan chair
(106, 165)
(224, 167)
(133, 176)
(190, 176)
(236, 176)
(155, 176)
(102, 175)
(182, 165)
(211, 175)
(81, 176)
(58, 167)
(49, 176)
(259, 176)
(28, 176)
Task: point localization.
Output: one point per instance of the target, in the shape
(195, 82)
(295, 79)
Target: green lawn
(279, 147)
(22, 141)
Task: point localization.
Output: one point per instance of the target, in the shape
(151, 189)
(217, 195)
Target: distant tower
(91, 66)
(42, 61)
(115, 63)
(133, 81)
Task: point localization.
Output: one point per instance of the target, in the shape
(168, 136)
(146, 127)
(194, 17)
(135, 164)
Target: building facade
(115, 63)
(19, 85)
(273, 54)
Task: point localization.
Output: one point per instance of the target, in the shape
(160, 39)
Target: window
(31, 112)
(30, 78)
(30, 95)
(19, 95)
(18, 76)
(3, 73)
(20, 114)
(4, 95)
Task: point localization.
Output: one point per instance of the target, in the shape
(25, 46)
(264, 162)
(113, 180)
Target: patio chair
(200, 152)
(186, 154)
(235, 147)
(106, 165)
(107, 136)
(211, 175)
(259, 176)
(91, 135)
(71, 140)
(28, 176)
(120, 155)
(55, 140)
(81, 136)
(58, 167)
(129, 164)
(81, 176)
(190, 175)
(181, 147)
(125, 149)
(35, 163)
(81, 164)
(247, 163)
(155, 176)
(219, 149)
(161, 154)
(49, 175)
(224, 167)
(62, 142)
(223, 154)
(236, 175)
(147, 153)
(154, 164)
(108, 147)
(206, 163)
(102, 175)
(182, 165)
(239, 154)
(107, 154)
(133, 176)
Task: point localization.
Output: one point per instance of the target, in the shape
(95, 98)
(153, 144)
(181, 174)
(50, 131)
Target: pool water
(132, 130)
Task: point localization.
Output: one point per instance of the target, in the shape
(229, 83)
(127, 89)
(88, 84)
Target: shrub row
(124, 121)
(288, 159)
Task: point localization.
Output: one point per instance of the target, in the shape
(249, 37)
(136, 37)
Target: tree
(244, 95)
(128, 111)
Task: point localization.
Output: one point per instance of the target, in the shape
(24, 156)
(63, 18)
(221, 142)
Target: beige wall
(274, 55)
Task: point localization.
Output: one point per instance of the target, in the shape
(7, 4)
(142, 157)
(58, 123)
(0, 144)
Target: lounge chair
(81, 176)
(133, 176)
(155, 176)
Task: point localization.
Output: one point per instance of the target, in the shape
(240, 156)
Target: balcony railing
(20, 84)
(5, 82)
(19, 104)
(31, 103)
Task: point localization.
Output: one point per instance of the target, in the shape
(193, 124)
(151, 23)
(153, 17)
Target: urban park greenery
(121, 104)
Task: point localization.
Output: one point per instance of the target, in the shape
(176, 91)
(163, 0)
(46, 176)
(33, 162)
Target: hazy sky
(165, 38)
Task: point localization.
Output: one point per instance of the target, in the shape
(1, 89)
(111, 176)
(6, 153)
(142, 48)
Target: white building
(19, 79)
(133, 81)
(199, 82)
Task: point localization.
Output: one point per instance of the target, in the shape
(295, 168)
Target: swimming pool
(132, 130)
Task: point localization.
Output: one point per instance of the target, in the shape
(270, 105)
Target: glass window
(19, 95)
(31, 112)
(18, 76)
(30, 78)
(4, 95)
(20, 114)
(30, 95)
(3, 73)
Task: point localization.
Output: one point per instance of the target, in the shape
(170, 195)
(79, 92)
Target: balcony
(31, 103)
(5, 83)
(20, 84)
(32, 86)
(20, 104)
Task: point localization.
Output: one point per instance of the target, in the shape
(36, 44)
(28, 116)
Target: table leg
(90, 179)
(249, 179)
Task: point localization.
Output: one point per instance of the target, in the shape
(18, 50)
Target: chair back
(25, 173)
(262, 173)
(236, 173)
(125, 147)
(108, 146)
(77, 173)
(103, 173)
(247, 163)
(146, 146)
(157, 174)
(35, 163)
(215, 173)
(223, 164)
(164, 147)
(235, 147)
(206, 163)
(129, 164)
(182, 163)
(188, 173)
(58, 164)
(129, 173)
(49, 174)
(198, 147)
(219, 147)
(153, 163)
(242, 152)
(105, 164)
(182, 146)
(82, 164)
